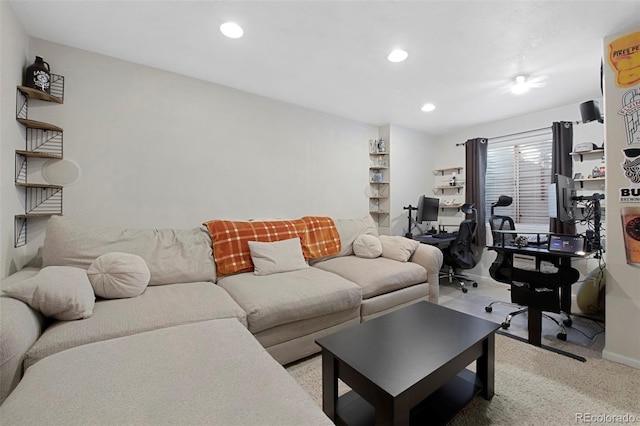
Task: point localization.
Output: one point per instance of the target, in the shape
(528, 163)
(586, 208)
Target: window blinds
(519, 166)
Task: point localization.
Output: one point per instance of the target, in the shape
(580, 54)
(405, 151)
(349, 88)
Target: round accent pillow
(367, 246)
(119, 275)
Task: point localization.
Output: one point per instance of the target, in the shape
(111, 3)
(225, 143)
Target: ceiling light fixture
(521, 84)
(428, 107)
(398, 55)
(231, 30)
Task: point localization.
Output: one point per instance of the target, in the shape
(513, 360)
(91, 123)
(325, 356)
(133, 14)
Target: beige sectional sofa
(203, 373)
(191, 329)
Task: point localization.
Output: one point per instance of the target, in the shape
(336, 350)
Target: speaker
(590, 111)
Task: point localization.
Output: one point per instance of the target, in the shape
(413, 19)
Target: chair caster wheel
(464, 290)
(475, 284)
(568, 322)
(488, 308)
(562, 336)
(505, 325)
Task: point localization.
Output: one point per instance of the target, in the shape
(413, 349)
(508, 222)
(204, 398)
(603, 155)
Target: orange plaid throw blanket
(321, 237)
(318, 235)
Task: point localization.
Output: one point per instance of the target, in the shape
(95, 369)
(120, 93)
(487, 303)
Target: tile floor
(585, 334)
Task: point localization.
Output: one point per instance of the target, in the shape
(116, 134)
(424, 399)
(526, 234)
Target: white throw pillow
(119, 275)
(367, 246)
(60, 292)
(397, 247)
(278, 256)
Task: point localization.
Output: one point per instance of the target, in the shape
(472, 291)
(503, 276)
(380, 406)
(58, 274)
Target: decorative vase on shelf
(38, 75)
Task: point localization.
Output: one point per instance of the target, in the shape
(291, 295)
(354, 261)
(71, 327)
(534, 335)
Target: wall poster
(624, 58)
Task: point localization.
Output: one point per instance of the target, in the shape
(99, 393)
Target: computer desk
(441, 243)
(541, 291)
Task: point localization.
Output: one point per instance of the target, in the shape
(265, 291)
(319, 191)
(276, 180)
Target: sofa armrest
(21, 327)
(430, 258)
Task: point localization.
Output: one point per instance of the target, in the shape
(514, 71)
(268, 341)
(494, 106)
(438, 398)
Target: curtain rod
(512, 134)
(521, 133)
(527, 131)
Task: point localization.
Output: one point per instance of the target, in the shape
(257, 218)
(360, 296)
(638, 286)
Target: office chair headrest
(466, 208)
(503, 201)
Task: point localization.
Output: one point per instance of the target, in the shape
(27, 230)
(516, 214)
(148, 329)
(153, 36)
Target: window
(519, 166)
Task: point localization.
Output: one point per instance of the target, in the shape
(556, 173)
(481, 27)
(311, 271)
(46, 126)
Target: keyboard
(444, 235)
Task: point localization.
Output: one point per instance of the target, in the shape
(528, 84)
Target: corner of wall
(621, 131)
(14, 45)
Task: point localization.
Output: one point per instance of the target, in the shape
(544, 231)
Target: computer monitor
(562, 199)
(427, 209)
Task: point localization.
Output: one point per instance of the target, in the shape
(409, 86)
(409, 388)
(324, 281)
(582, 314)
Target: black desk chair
(505, 223)
(462, 253)
(502, 223)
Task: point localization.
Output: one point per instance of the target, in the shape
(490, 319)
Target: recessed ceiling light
(398, 55)
(428, 107)
(521, 84)
(231, 30)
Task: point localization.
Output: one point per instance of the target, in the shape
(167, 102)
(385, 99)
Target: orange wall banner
(624, 58)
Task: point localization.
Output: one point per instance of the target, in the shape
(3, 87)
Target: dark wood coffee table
(407, 367)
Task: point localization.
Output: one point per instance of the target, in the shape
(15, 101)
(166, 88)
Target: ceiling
(331, 55)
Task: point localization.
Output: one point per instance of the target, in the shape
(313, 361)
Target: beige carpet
(533, 386)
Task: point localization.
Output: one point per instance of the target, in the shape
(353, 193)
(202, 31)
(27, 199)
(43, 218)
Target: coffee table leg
(485, 366)
(389, 412)
(329, 384)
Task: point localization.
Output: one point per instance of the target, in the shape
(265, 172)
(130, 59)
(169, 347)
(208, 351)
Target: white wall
(413, 158)
(13, 57)
(158, 149)
(622, 341)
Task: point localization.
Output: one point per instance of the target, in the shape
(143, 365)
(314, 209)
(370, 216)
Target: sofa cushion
(172, 255)
(118, 275)
(278, 299)
(208, 373)
(60, 292)
(158, 307)
(385, 303)
(375, 276)
(276, 257)
(293, 330)
(367, 246)
(397, 247)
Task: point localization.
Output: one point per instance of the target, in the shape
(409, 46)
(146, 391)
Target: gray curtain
(475, 173)
(562, 164)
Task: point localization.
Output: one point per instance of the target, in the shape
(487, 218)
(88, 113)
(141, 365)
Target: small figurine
(598, 172)
(381, 145)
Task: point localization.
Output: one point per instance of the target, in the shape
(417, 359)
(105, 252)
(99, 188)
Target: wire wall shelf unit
(43, 141)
